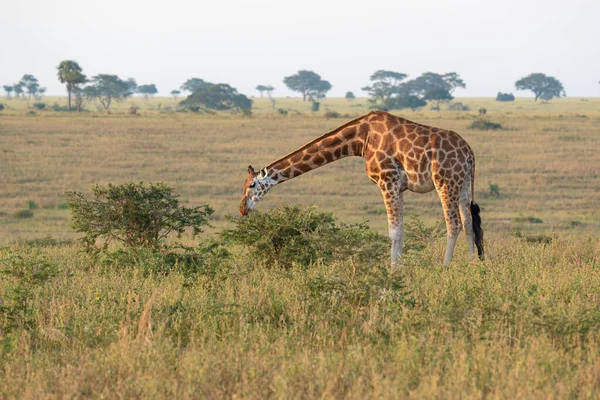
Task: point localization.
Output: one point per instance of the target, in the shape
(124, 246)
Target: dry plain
(523, 324)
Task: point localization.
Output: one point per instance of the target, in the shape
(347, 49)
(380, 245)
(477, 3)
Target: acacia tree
(69, 72)
(350, 96)
(219, 97)
(308, 83)
(542, 86)
(8, 89)
(193, 84)
(106, 87)
(269, 89)
(437, 95)
(32, 85)
(18, 88)
(261, 89)
(385, 84)
(147, 90)
(434, 87)
(175, 94)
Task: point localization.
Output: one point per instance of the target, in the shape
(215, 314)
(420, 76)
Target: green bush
(505, 97)
(288, 235)
(1, 106)
(39, 106)
(23, 214)
(485, 125)
(134, 214)
(282, 111)
(25, 277)
(332, 114)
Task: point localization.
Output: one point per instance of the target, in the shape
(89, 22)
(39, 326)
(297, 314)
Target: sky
(490, 43)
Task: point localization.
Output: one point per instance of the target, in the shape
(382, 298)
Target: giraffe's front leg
(394, 204)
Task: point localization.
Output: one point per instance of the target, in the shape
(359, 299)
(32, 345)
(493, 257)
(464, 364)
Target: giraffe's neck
(344, 141)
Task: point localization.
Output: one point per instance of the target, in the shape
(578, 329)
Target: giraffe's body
(400, 155)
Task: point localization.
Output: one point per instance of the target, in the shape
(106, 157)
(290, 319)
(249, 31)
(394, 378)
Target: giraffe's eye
(253, 184)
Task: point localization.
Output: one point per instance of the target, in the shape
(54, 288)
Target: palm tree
(69, 72)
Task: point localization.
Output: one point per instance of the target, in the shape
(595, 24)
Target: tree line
(388, 90)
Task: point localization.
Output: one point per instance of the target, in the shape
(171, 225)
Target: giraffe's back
(424, 156)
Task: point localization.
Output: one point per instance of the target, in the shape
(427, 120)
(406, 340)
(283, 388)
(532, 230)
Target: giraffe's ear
(250, 170)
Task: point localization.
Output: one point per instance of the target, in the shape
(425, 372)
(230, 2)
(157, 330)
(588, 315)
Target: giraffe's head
(257, 184)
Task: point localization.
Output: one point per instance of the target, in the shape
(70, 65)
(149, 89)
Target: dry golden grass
(523, 324)
(545, 162)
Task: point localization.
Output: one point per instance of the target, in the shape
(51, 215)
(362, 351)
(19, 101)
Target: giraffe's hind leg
(465, 215)
(449, 197)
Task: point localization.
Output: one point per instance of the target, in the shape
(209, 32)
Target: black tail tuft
(477, 231)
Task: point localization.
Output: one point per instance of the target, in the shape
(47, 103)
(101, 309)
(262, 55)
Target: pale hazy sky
(490, 44)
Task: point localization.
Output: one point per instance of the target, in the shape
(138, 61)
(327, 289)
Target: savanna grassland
(525, 323)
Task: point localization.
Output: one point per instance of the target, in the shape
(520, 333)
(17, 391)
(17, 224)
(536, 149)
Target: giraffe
(400, 155)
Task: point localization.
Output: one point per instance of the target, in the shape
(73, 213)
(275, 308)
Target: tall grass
(525, 325)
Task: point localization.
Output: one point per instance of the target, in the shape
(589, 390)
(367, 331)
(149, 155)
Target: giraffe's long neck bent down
(344, 141)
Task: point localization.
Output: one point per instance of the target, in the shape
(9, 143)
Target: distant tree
(8, 89)
(175, 94)
(505, 97)
(219, 97)
(406, 101)
(147, 90)
(40, 93)
(350, 96)
(31, 84)
(542, 86)
(269, 89)
(261, 89)
(107, 88)
(437, 95)
(132, 85)
(19, 89)
(79, 94)
(319, 90)
(69, 72)
(454, 81)
(385, 84)
(193, 84)
(308, 83)
(431, 80)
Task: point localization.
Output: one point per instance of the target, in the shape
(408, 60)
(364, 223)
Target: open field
(545, 163)
(523, 324)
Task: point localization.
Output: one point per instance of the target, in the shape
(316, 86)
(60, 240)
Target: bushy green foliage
(485, 125)
(25, 276)
(1, 106)
(219, 97)
(495, 190)
(39, 106)
(542, 86)
(309, 84)
(418, 235)
(505, 97)
(106, 88)
(315, 106)
(332, 114)
(134, 214)
(287, 235)
(23, 214)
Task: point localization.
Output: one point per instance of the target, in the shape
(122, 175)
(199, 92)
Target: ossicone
(250, 169)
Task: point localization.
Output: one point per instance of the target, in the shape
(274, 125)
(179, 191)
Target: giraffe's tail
(476, 218)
